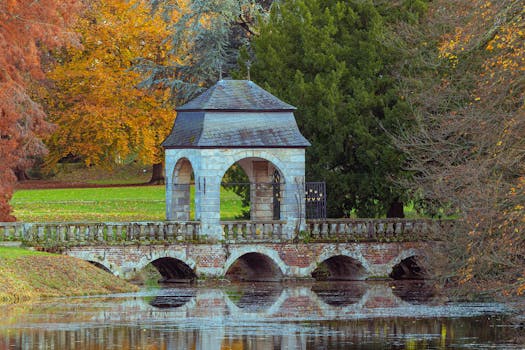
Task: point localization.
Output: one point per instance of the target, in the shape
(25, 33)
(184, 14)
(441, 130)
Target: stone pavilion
(236, 122)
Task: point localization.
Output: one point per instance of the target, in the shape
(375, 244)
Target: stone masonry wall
(214, 260)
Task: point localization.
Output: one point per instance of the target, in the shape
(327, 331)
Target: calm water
(261, 316)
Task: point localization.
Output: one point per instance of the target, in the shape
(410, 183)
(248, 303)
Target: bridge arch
(96, 259)
(174, 266)
(341, 265)
(407, 265)
(101, 266)
(255, 264)
(174, 270)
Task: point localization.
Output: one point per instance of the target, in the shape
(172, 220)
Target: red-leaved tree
(27, 28)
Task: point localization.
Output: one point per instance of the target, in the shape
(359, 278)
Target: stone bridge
(345, 249)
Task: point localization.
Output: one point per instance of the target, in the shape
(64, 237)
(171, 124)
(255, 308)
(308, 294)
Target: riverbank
(27, 275)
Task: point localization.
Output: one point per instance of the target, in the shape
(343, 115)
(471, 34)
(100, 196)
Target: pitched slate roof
(236, 95)
(235, 113)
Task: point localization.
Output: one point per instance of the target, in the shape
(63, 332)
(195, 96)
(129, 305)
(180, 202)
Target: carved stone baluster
(118, 233)
(381, 228)
(40, 233)
(87, 233)
(150, 234)
(190, 231)
(333, 230)
(100, 233)
(240, 230)
(267, 230)
(315, 230)
(60, 233)
(247, 230)
(324, 230)
(390, 228)
(168, 231)
(399, 228)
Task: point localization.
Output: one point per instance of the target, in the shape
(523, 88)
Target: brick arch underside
(173, 270)
(235, 156)
(100, 266)
(409, 265)
(340, 268)
(255, 265)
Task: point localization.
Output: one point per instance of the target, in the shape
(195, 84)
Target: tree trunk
(396, 209)
(21, 174)
(157, 175)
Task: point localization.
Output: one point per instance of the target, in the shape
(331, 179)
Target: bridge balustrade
(375, 229)
(344, 230)
(253, 231)
(108, 232)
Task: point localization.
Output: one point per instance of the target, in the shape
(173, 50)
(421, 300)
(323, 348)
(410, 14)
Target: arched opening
(182, 185)
(260, 186)
(340, 294)
(254, 267)
(235, 194)
(100, 266)
(409, 269)
(339, 268)
(174, 271)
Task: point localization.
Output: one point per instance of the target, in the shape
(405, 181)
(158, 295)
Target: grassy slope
(26, 274)
(138, 203)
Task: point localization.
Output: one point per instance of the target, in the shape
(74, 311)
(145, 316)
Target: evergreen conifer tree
(329, 59)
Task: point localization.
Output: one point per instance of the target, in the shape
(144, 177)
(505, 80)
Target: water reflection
(340, 294)
(172, 298)
(253, 316)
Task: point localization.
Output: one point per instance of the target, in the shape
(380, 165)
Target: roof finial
(248, 66)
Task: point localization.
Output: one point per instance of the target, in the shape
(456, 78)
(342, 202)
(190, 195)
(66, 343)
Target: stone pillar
(261, 192)
(209, 206)
(293, 205)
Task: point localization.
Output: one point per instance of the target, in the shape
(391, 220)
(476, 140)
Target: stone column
(293, 204)
(261, 192)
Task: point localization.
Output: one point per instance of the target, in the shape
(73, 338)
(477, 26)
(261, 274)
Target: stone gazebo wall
(209, 166)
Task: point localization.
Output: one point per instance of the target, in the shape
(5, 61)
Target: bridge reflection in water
(358, 315)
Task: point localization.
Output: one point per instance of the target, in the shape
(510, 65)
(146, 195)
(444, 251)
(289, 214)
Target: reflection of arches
(254, 299)
(340, 294)
(174, 270)
(173, 298)
(409, 268)
(180, 191)
(414, 292)
(100, 266)
(254, 267)
(339, 268)
(265, 184)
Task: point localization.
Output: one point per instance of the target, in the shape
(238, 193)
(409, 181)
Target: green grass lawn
(139, 203)
(15, 252)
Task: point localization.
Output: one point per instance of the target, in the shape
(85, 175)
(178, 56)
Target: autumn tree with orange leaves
(466, 85)
(27, 28)
(102, 118)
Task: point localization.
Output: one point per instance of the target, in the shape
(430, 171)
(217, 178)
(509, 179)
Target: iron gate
(276, 186)
(315, 200)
